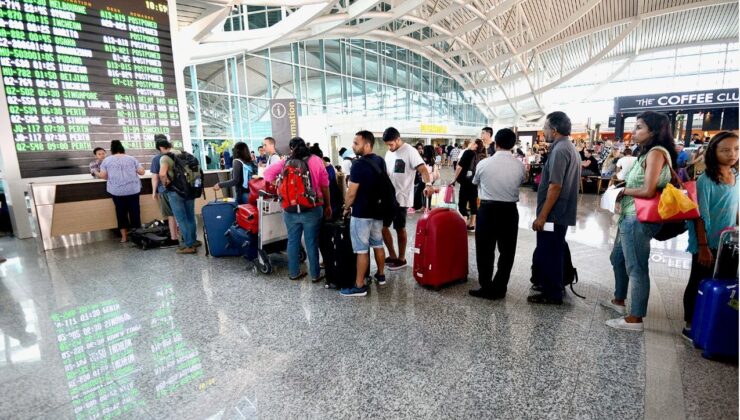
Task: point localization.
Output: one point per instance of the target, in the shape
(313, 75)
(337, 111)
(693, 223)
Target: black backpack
(570, 274)
(386, 193)
(188, 179)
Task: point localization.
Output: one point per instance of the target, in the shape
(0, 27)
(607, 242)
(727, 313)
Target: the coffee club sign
(707, 99)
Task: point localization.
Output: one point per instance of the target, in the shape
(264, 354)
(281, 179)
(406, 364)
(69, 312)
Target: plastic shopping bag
(674, 201)
(450, 194)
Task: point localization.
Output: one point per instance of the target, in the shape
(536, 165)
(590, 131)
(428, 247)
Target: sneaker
(391, 261)
(621, 324)
(380, 279)
(187, 250)
(396, 265)
(687, 335)
(197, 244)
(620, 309)
(354, 291)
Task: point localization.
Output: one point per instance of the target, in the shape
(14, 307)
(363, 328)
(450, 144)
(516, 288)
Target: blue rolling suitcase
(714, 327)
(243, 241)
(218, 216)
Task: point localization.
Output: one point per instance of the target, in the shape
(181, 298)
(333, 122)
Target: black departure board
(80, 73)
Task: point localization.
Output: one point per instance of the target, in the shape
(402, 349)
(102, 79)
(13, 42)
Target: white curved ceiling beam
(398, 11)
(614, 42)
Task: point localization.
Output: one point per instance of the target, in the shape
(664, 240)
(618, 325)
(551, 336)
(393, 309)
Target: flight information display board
(80, 73)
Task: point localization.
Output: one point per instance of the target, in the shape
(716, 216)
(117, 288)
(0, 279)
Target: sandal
(299, 276)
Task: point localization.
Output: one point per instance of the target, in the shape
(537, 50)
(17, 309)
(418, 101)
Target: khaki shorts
(164, 205)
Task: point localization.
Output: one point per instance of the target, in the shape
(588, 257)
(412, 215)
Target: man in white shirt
(498, 179)
(272, 155)
(402, 162)
(625, 163)
(455, 156)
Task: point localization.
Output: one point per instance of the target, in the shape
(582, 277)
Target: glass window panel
(241, 78)
(332, 56)
(215, 115)
(371, 67)
(256, 76)
(334, 93)
(358, 62)
(374, 99)
(191, 98)
(390, 72)
(273, 17)
(212, 76)
(313, 86)
(313, 54)
(259, 118)
(257, 20)
(187, 73)
(282, 80)
(402, 76)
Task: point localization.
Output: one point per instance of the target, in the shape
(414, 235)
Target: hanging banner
(284, 117)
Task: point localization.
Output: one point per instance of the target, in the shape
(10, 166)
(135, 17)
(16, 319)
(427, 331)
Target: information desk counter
(79, 212)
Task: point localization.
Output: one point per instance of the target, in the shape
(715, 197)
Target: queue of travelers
(490, 174)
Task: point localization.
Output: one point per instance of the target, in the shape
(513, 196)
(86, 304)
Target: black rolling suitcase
(340, 262)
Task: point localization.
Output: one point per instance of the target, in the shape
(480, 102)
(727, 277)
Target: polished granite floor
(114, 331)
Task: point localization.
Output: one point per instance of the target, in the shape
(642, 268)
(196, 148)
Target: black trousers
(698, 273)
(468, 196)
(497, 226)
(128, 211)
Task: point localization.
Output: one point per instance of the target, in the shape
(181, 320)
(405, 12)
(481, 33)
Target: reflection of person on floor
(12, 318)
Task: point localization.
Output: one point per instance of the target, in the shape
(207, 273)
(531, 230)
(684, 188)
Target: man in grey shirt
(498, 179)
(557, 201)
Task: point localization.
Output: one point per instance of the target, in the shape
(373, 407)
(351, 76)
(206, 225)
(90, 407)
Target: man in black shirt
(366, 224)
(589, 165)
(486, 135)
(468, 192)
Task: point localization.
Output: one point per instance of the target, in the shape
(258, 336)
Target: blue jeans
(184, 211)
(306, 223)
(242, 198)
(630, 257)
(548, 257)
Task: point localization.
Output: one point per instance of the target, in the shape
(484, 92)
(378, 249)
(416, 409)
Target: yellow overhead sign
(433, 129)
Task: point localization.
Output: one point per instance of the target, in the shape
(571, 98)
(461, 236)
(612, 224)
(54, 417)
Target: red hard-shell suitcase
(257, 185)
(441, 248)
(248, 218)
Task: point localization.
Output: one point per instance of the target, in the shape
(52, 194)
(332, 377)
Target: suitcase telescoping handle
(733, 230)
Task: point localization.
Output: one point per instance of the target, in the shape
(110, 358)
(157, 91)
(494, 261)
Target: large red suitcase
(441, 248)
(247, 217)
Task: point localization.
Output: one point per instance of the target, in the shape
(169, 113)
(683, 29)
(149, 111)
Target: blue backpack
(248, 169)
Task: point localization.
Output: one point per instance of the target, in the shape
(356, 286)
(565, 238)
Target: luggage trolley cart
(272, 236)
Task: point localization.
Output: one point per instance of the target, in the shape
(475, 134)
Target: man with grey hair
(557, 201)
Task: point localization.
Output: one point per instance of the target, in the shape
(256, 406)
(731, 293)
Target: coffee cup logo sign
(679, 101)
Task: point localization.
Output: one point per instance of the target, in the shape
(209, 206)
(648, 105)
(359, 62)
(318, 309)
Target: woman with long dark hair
(631, 253)
(241, 172)
(122, 172)
(718, 205)
(307, 222)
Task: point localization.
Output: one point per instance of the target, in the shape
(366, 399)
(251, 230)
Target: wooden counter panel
(91, 215)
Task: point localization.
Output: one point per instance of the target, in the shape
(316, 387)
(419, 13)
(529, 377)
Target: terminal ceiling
(507, 53)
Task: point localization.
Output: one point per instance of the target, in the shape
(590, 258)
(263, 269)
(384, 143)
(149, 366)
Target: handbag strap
(674, 175)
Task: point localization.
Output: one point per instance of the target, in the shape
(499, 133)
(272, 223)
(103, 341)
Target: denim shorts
(365, 234)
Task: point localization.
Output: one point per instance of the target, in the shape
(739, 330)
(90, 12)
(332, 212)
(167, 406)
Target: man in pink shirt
(307, 222)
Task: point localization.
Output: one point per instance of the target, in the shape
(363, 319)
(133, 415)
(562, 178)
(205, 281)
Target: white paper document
(609, 199)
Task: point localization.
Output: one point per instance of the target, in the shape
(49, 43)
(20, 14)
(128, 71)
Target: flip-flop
(299, 276)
